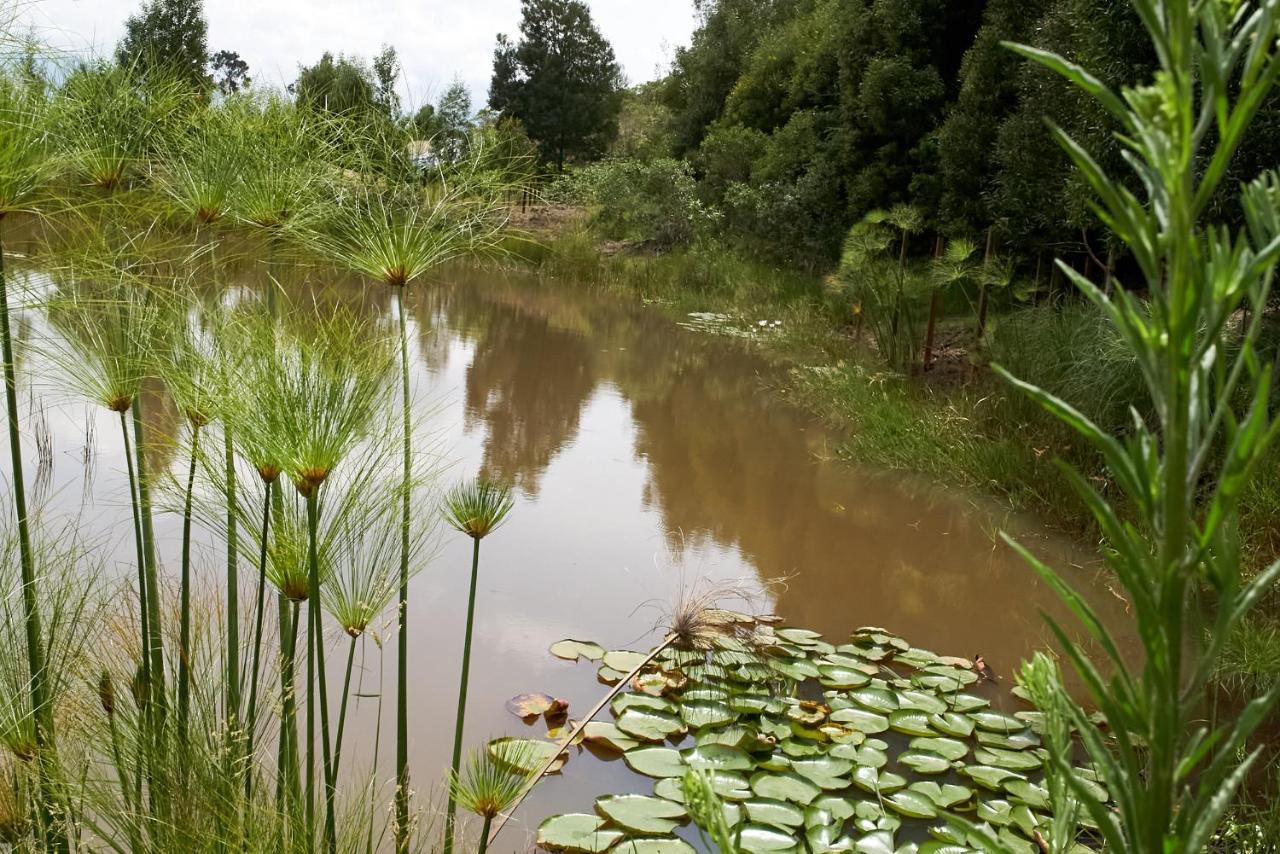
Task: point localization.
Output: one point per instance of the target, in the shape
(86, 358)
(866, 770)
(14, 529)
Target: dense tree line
(798, 117)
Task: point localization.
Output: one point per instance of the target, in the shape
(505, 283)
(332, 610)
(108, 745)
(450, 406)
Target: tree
(386, 70)
(561, 81)
(230, 72)
(168, 34)
(343, 85)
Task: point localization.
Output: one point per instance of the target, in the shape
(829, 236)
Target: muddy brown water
(646, 460)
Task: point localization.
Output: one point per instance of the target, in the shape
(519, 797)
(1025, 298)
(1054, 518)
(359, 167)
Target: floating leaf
(993, 721)
(877, 842)
(924, 763)
(622, 702)
(607, 735)
(704, 692)
(798, 670)
(948, 748)
(661, 845)
(968, 702)
(1017, 741)
(716, 756)
(785, 786)
(808, 712)
(529, 705)
(878, 782)
(1012, 759)
(996, 811)
(609, 676)
(762, 839)
(911, 723)
(525, 754)
(921, 701)
(655, 761)
(944, 796)
(875, 699)
(823, 770)
(952, 723)
(731, 736)
(571, 650)
(1025, 791)
(861, 720)
(578, 833)
(988, 776)
(804, 637)
(773, 812)
(834, 676)
(641, 813)
(649, 725)
(912, 804)
(864, 755)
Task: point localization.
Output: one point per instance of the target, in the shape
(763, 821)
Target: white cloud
(436, 39)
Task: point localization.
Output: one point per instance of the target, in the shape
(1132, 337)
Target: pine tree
(561, 81)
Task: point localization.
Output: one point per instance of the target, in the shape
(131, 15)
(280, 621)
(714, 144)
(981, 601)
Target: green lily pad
(606, 735)
(822, 769)
(576, 833)
(571, 650)
(995, 811)
(835, 676)
(989, 776)
(948, 748)
(876, 842)
(622, 702)
(705, 713)
(762, 839)
(671, 788)
(732, 736)
(912, 804)
(641, 813)
(968, 702)
(718, 757)
(655, 761)
(1017, 741)
(924, 763)
(993, 721)
(911, 723)
(648, 725)
(952, 723)
(1014, 760)
(878, 782)
(799, 636)
(654, 845)
(839, 808)
(921, 701)
(944, 796)
(623, 660)
(798, 670)
(875, 699)
(704, 692)
(774, 813)
(609, 676)
(525, 754)
(1024, 791)
(785, 786)
(861, 720)
(864, 755)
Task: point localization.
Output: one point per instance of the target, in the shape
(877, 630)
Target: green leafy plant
(1183, 468)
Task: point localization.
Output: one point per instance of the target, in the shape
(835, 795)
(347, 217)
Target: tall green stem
(402, 610)
(156, 648)
(462, 695)
(342, 707)
(251, 719)
(288, 785)
(144, 634)
(321, 698)
(233, 590)
(184, 636)
(41, 711)
(484, 835)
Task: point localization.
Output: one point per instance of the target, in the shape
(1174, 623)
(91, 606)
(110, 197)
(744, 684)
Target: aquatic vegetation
(475, 508)
(489, 787)
(810, 745)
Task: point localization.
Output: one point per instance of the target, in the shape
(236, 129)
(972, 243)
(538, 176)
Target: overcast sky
(436, 39)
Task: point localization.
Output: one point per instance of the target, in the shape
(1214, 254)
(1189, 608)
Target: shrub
(654, 201)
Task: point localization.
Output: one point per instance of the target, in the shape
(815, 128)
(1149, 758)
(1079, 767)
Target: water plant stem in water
(402, 605)
(251, 718)
(184, 631)
(322, 697)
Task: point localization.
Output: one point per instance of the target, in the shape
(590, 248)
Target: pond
(646, 457)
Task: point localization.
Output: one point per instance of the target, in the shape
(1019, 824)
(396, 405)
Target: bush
(655, 201)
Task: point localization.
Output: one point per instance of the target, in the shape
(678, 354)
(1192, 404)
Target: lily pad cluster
(866, 746)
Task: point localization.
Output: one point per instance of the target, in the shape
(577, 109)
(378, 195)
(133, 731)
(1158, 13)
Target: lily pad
(609, 676)
(654, 845)
(861, 720)
(641, 813)
(875, 699)
(607, 735)
(718, 757)
(993, 721)
(924, 762)
(623, 660)
(823, 770)
(655, 762)
(785, 786)
(577, 833)
(571, 650)
(944, 795)
(921, 701)
(525, 754)
(1024, 791)
(529, 706)
(762, 839)
(948, 748)
(648, 725)
(952, 723)
(912, 804)
(911, 723)
(988, 776)
(622, 702)
(774, 813)
(968, 702)
(834, 676)
(878, 782)
(1014, 760)
(864, 756)
(877, 842)
(1017, 741)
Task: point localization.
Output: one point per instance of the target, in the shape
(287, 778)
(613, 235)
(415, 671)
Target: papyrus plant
(1191, 317)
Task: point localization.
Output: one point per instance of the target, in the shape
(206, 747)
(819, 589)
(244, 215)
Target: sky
(437, 40)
